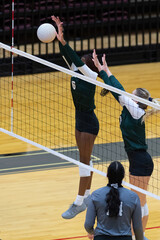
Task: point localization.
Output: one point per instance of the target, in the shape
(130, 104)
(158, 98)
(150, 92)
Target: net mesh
(43, 112)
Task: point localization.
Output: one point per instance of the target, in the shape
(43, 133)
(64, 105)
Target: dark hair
(87, 59)
(115, 175)
(143, 93)
(104, 92)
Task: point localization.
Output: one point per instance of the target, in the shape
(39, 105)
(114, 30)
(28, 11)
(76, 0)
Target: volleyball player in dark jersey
(132, 125)
(115, 208)
(87, 125)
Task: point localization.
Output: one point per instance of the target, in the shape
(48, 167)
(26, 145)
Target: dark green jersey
(133, 131)
(132, 127)
(82, 91)
(83, 94)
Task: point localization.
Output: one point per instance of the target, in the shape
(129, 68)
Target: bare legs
(141, 182)
(85, 143)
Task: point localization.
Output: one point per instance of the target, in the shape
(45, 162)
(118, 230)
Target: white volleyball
(46, 32)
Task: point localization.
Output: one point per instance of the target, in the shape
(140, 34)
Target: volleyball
(46, 32)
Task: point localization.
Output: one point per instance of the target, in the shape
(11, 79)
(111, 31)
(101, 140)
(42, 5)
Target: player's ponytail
(151, 111)
(143, 93)
(115, 175)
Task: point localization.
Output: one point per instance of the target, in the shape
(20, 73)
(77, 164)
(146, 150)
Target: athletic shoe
(86, 200)
(145, 238)
(73, 211)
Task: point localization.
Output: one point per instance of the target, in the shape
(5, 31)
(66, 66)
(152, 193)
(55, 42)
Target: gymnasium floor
(36, 187)
(32, 203)
(34, 193)
(41, 160)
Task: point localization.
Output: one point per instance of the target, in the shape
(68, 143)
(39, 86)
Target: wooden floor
(31, 203)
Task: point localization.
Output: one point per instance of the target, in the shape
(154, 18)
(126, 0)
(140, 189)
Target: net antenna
(12, 66)
(34, 98)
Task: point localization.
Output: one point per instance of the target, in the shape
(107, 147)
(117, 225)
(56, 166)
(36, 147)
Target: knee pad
(84, 172)
(145, 210)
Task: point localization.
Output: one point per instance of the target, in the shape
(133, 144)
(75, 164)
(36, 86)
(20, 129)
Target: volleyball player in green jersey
(132, 125)
(87, 125)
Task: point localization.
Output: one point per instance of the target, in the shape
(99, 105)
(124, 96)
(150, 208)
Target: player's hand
(96, 61)
(59, 24)
(105, 66)
(90, 236)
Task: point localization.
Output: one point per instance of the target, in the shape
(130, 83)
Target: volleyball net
(38, 109)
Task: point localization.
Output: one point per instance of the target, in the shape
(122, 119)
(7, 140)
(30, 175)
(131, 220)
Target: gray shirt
(130, 210)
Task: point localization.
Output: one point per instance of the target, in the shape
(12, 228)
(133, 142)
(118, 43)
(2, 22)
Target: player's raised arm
(60, 35)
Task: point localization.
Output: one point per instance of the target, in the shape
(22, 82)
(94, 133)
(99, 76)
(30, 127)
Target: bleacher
(126, 30)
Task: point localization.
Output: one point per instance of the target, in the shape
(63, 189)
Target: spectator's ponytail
(115, 175)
